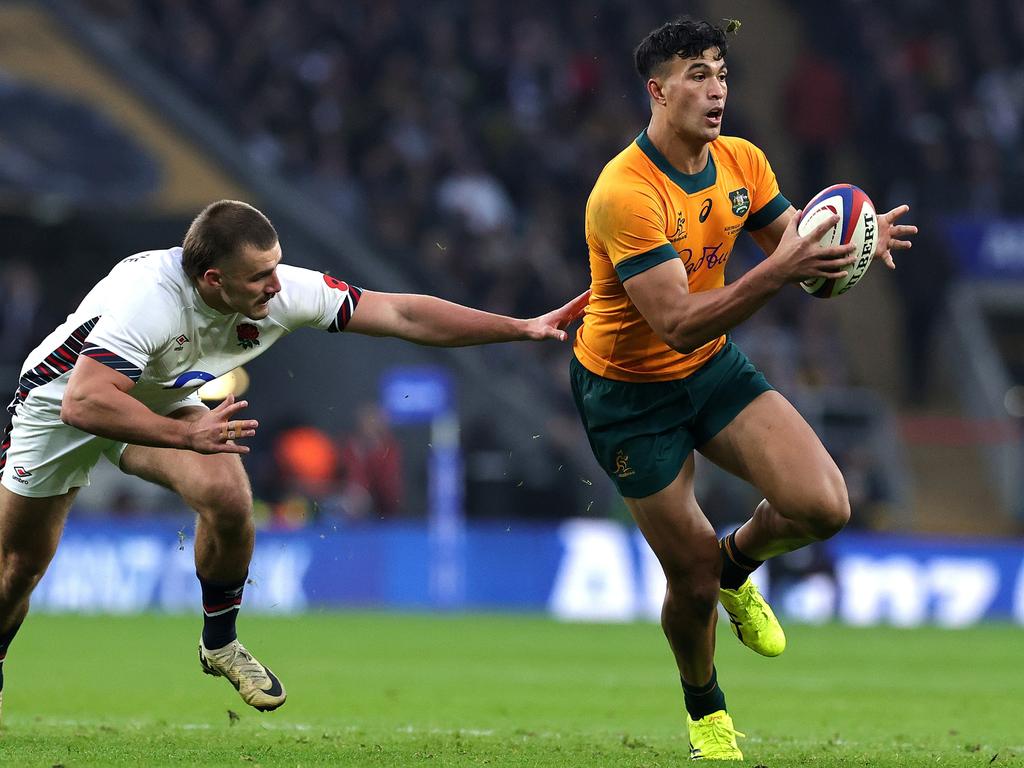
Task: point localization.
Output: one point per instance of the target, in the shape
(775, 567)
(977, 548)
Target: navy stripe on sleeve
(348, 306)
(56, 364)
(109, 359)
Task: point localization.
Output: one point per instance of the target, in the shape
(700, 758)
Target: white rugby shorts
(47, 458)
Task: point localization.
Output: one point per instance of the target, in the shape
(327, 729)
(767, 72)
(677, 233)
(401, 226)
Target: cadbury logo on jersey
(740, 200)
(248, 335)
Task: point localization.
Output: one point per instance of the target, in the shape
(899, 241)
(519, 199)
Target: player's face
(249, 281)
(695, 91)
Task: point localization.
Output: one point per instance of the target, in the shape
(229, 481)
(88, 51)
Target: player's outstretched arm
(435, 322)
(97, 401)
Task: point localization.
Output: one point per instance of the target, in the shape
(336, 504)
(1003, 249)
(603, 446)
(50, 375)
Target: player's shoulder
(738, 150)
(625, 175)
(290, 273)
(152, 274)
(301, 285)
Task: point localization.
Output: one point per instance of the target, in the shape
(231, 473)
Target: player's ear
(213, 277)
(655, 91)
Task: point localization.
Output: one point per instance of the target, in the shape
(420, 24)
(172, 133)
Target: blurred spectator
(20, 313)
(817, 106)
(307, 475)
(371, 467)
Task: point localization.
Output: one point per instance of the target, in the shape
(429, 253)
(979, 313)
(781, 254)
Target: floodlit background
(449, 148)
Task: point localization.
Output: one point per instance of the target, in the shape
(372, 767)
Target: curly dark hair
(684, 37)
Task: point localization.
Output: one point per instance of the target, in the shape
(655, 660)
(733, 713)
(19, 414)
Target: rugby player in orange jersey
(655, 376)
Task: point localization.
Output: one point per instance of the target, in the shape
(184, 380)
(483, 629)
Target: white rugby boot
(255, 683)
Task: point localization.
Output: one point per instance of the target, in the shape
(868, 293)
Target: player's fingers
(231, 448)
(839, 252)
(900, 245)
(902, 230)
(549, 331)
(575, 307)
(227, 403)
(234, 430)
(824, 226)
(830, 274)
(896, 212)
(233, 408)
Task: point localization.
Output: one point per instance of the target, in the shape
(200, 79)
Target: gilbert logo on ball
(857, 224)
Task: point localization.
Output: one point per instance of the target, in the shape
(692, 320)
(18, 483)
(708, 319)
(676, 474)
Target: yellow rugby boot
(713, 737)
(752, 619)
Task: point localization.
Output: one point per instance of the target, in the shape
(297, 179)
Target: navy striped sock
(702, 700)
(5, 642)
(220, 609)
(736, 566)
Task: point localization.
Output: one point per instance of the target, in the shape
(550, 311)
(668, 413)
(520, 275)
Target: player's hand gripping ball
(857, 224)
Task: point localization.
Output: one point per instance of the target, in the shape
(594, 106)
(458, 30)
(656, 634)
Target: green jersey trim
(769, 213)
(690, 183)
(634, 265)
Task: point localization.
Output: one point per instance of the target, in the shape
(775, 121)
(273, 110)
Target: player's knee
(233, 510)
(224, 502)
(20, 572)
(831, 508)
(695, 592)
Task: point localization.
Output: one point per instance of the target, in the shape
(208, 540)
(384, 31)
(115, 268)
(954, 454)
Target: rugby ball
(857, 224)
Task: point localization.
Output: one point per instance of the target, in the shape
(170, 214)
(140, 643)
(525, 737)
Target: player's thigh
(675, 526)
(771, 446)
(31, 527)
(202, 480)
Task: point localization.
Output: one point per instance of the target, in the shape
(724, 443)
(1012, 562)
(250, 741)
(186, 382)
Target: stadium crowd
(462, 139)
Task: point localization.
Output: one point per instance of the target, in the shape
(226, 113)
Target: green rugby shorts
(642, 432)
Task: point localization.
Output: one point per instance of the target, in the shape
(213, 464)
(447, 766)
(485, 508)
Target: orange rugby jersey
(641, 212)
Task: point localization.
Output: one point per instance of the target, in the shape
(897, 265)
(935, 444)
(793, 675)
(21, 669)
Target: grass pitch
(387, 690)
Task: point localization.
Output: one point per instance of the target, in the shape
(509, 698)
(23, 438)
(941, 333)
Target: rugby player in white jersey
(119, 379)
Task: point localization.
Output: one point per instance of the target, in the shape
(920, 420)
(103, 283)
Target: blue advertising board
(592, 570)
(987, 248)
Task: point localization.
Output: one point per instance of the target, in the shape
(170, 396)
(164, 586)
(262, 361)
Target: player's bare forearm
(101, 408)
(706, 315)
(97, 401)
(435, 322)
(685, 321)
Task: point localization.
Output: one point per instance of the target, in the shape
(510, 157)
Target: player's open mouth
(714, 116)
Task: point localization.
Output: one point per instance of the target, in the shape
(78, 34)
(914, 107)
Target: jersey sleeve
(767, 203)
(627, 223)
(312, 299)
(132, 328)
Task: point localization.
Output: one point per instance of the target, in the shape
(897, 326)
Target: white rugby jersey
(147, 320)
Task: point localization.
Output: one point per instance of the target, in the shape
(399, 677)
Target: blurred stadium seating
(449, 148)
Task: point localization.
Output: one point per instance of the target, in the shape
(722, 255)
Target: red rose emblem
(248, 335)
